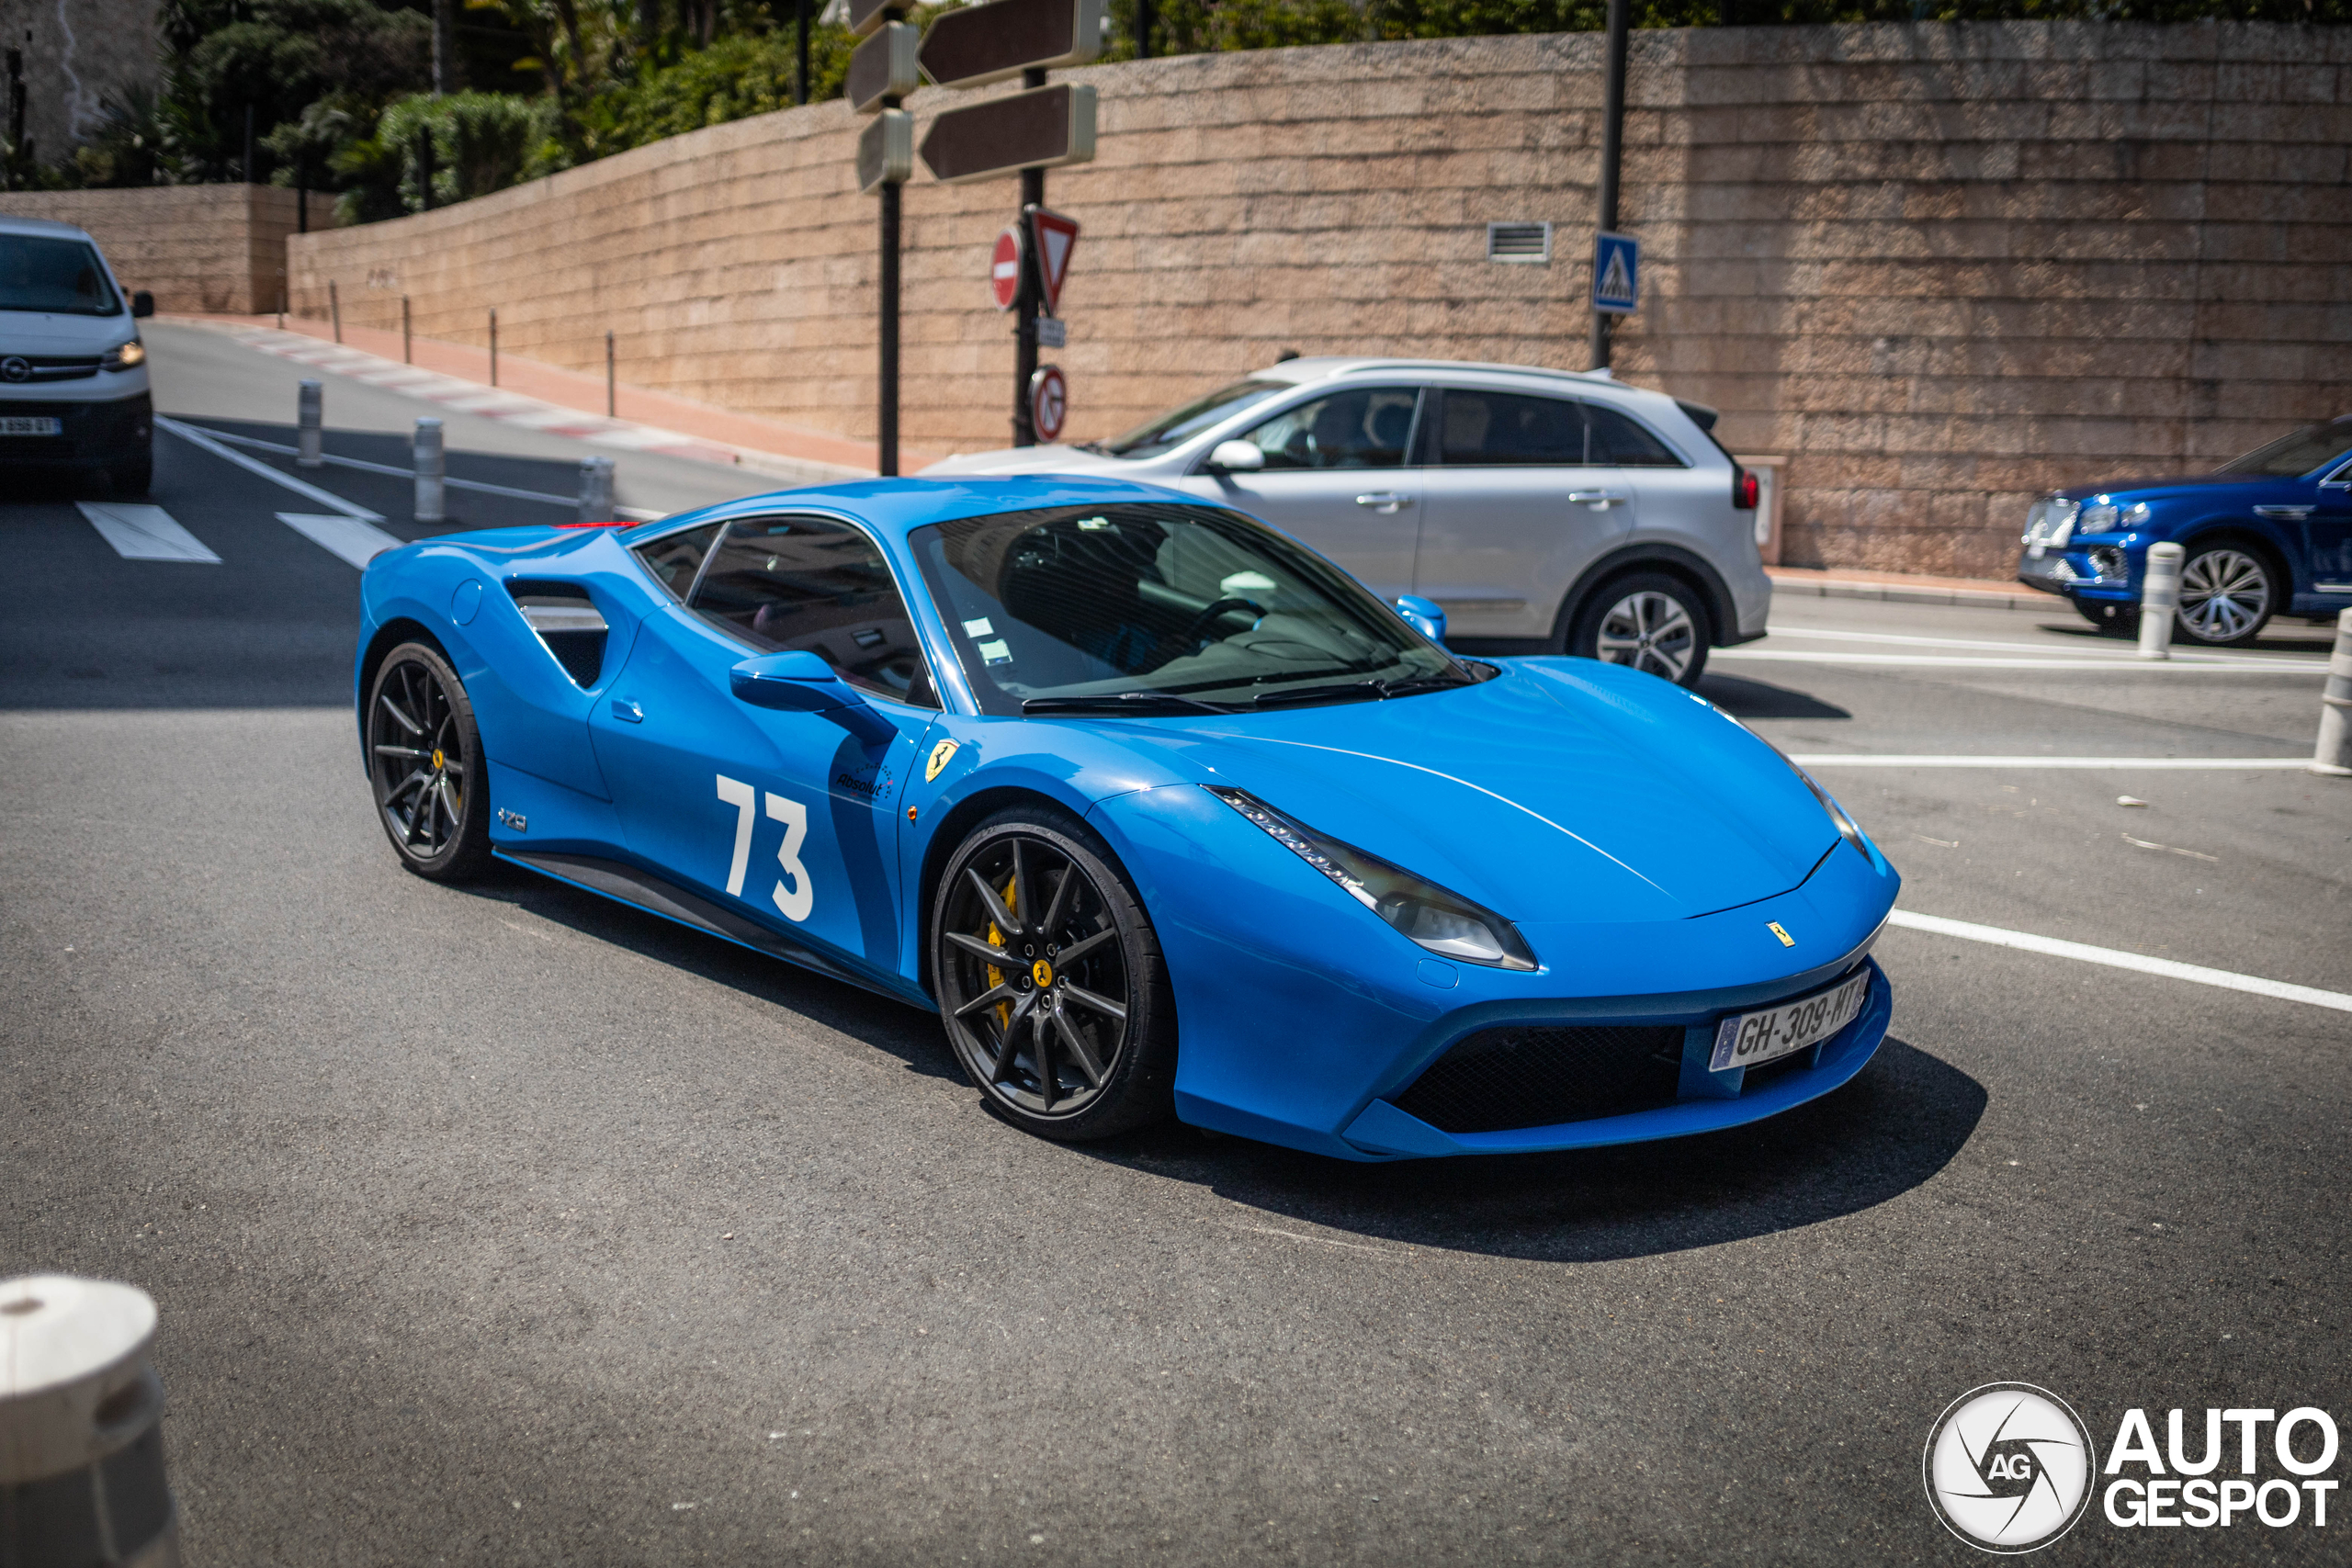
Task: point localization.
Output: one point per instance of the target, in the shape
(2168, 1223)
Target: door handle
(1383, 501)
(2289, 514)
(627, 710)
(1600, 500)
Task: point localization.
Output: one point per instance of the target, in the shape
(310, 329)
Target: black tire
(131, 476)
(1649, 620)
(2228, 593)
(1106, 1019)
(424, 764)
(2111, 618)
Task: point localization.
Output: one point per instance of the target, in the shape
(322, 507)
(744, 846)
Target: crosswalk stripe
(355, 541)
(145, 533)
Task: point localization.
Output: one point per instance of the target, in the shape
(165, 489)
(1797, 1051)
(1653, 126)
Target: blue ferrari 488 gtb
(1160, 811)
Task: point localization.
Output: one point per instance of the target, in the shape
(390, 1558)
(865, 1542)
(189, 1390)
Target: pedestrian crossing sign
(1616, 274)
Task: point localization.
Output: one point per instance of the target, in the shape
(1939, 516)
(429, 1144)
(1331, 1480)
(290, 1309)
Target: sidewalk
(564, 402)
(1895, 588)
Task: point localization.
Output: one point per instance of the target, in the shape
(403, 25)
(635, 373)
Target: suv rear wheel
(1649, 620)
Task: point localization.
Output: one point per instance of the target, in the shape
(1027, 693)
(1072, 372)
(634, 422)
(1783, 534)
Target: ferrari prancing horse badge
(939, 756)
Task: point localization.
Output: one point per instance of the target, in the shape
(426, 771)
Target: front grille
(1540, 1075)
(46, 367)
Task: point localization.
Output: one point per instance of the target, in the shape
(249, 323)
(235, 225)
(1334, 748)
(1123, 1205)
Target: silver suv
(1543, 510)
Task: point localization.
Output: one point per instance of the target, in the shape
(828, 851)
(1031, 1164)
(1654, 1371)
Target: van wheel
(1655, 623)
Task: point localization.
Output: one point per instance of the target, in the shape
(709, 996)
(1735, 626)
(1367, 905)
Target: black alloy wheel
(1051, 980)
(2227, 594)
(425, 761)
(1655, 623)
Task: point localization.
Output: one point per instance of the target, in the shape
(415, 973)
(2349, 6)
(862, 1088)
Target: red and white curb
(514, 408)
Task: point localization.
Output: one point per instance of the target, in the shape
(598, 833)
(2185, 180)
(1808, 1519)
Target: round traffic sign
(1004, 268)
(1048, 402)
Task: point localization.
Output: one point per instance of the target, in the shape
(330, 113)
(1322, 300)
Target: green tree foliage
(279, 57)
(747, 75)
(482, 143)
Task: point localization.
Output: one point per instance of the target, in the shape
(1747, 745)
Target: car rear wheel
(425, 761)
(2226, 596)
(1651, 621)
(1051, 980)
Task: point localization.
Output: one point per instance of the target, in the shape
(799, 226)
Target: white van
(72, 371)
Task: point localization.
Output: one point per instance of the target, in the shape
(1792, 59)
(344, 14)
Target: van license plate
(22, 424)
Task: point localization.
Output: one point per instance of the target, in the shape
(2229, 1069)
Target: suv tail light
(1744, 489)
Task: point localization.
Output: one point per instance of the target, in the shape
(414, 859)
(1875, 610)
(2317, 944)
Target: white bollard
(432, 504)
(595, 489)
(81, 1449)
(2333, 755)
(309, 414)
(2159, 597)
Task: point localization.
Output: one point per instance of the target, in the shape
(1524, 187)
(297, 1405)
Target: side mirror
(1237, 456)
(1424, 615)
(802, 683)
(143, 303)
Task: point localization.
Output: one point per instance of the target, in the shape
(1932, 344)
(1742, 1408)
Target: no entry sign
(1005, 269)
(1048, 402)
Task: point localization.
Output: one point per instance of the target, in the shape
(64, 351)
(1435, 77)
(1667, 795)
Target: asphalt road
(507, 1225)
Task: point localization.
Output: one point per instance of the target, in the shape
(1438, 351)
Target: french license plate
(23, 424)
(1753, 1038)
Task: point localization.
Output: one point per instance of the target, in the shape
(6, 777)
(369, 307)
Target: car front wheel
(1051, 980)
(1649, 620)
(2226, 596)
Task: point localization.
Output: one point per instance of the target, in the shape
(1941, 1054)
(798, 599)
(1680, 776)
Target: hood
(44, 332)
(1057, 460)
(1562, 791)
(2143, 490)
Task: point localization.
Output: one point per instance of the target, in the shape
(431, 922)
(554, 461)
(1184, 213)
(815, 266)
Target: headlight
(1426, 914)
(125, 356)
(2050, 522)
(2103, 516)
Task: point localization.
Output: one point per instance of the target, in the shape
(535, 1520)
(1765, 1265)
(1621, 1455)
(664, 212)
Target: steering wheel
(1208, 617)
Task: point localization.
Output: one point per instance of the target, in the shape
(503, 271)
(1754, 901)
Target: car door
(1525, 492)
(787, 818)
(1337, 478)
(2328, 535)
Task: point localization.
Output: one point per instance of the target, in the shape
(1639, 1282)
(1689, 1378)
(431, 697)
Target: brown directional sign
(979, 44)
(883, 67)
(1042, 128)
(866, 17)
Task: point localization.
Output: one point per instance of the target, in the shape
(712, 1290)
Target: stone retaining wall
(197, 248)
(1940, 268)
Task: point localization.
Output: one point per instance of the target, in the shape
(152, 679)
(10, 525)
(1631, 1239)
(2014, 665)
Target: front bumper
(92, 432)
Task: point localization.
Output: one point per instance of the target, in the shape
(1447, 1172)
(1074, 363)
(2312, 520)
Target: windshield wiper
(1378, 691)
(1122, 702)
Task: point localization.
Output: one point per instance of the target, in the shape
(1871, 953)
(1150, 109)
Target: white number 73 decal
(795, 903)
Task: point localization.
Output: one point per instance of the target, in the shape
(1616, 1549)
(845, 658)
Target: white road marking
(145, 533)
(2201, 664)
(476, 486)
(2170, 968)
(327, 499)
(354, 539)
(2189, 764)
(2102, 649)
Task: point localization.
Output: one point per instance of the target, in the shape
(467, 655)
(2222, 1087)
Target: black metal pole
(1612, 146)
(800, 81)
(1025, 299)
(887, 435)
(1143, 29)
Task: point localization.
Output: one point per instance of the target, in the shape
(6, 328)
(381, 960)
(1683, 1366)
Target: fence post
(494, 346)
(334, 309)
(310, 417)
(407, 356)
(2159, 597)
(2333, 755)
(595, 489)
(431, 470)
(612, 388)
(81, 1446)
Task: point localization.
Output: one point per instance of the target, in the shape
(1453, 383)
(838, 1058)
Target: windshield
(2291, 457)
(1170, 431)
(1166, 601)
(60, 275)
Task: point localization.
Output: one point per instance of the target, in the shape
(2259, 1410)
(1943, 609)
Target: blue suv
(2267, 534)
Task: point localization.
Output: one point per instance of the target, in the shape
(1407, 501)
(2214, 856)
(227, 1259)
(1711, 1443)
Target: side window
(1365, 427)
(793, 584)
(674, 558)
(1487, 429)
(1620, 443)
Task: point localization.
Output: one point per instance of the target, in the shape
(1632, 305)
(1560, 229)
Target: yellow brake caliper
(996, 939)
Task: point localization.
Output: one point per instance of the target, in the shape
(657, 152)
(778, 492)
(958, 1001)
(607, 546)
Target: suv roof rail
(1381, 366)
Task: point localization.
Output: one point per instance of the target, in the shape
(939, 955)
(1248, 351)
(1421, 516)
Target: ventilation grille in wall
(1519, 242)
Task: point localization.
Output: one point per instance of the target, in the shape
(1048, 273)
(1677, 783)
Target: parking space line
(2083, 952)
(2088, 764)
(2192, 663)
(328, 498)
(145, 533)
(354, 539)
(2102, 649)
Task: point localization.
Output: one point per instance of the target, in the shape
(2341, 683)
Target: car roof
(1298, 371)
(894, 508)
(42, 227)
